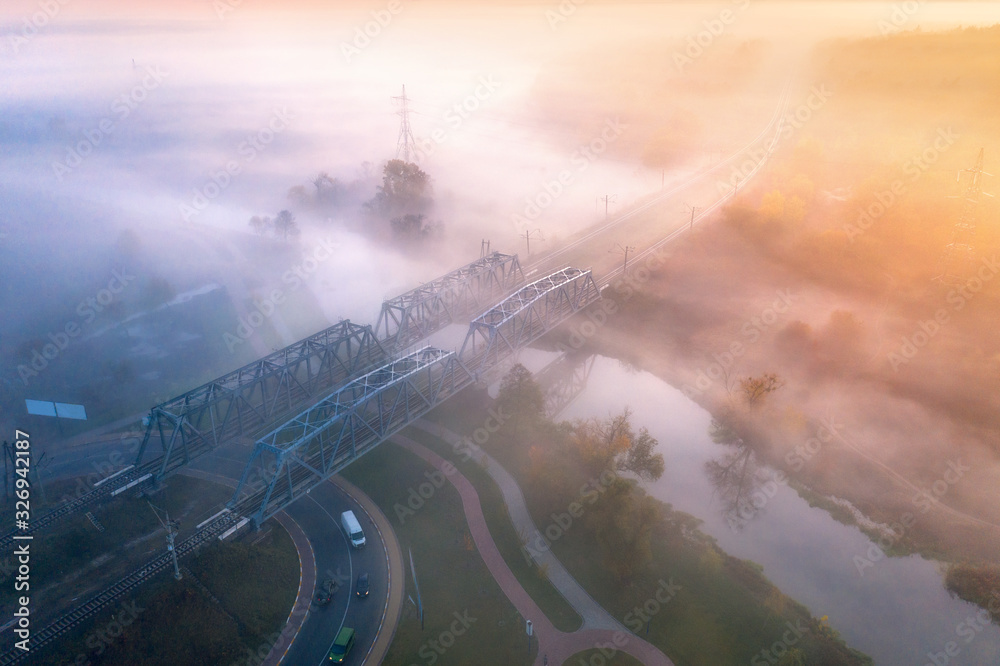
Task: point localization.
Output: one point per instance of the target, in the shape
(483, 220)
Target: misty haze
(426, 332)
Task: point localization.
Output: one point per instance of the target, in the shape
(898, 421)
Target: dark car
(362, 587)
(325, 592)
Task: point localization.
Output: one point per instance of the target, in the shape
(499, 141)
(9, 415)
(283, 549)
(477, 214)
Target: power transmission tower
(958, 256)
(405, 143)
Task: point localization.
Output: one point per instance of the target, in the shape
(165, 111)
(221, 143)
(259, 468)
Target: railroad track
(112, 593)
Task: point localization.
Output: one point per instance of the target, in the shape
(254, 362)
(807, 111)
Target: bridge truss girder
(436, 304)
(526, 315)
(246, 401)
(563, 380)
(345, 425)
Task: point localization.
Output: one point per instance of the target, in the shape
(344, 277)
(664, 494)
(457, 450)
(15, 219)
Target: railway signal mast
(169, 526)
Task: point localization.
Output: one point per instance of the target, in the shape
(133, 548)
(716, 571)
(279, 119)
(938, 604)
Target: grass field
(68, 560)
(508, 542)
(219, 613)
(467, 617)
(724, 612)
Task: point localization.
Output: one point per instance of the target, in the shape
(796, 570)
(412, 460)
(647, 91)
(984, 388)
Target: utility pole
(36, 467)
(484, 248)
(606, 198)
(694, 209)
(527, 236)
(619, 248)
(169, 526)
(405, 143)
(420, 604)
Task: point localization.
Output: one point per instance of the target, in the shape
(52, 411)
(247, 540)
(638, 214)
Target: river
(898, 611)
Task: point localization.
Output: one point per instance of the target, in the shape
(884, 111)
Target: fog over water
(137, 143)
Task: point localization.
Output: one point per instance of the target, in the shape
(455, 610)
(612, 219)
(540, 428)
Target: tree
(328, 190)
(794, 657)
(405, 189)
(284, 224)
(260, 224)
(640, 459)
(623, 520)
(520, 399)
(410, 227)
(613, 444)
(756, 389)
(158, 290)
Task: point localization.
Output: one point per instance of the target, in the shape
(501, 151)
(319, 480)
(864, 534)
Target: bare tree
(260, 224)
(284, 224)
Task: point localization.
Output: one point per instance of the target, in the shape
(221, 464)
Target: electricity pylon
(405, 143)
(959, 254)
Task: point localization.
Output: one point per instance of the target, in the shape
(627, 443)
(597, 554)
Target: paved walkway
(558, 646)
(593, 614)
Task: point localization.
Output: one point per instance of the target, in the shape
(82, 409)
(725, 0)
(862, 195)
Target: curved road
(312, 629)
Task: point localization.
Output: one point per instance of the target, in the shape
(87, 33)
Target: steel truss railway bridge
(315, 406)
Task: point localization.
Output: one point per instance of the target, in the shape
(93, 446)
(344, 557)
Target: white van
(352, 528)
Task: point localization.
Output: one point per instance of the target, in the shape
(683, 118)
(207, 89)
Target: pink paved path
(557, 645)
